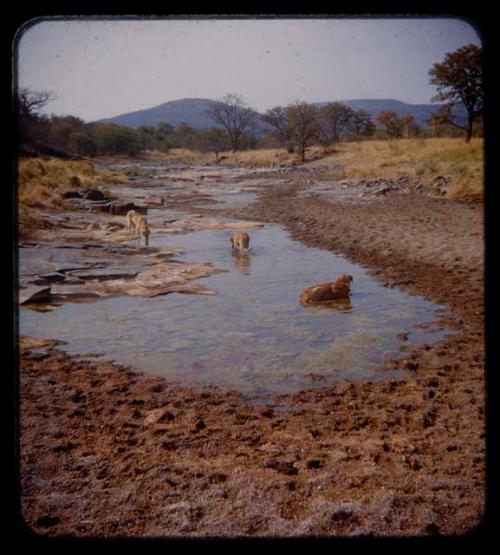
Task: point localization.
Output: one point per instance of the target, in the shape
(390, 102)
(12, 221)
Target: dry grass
(181, 155)
(422, 158)
(260, 158)
(247, 158)
(42, 180)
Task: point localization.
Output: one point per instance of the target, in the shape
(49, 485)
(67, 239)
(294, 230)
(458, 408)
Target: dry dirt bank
(106, 451)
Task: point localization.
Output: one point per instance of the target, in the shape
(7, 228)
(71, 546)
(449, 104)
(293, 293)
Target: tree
(82, 143)
(362, 124)
(391, 122)
(60, 128)
(29, 102)
(409, 125)
(116, 139)
(335, 122)
(184, 135)
(212, 140)
(459, 78)
(234, 116)
(303, 124)
(276, 117)
(32, 126)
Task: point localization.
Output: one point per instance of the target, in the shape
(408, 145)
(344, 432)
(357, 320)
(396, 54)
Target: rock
(158, 415)
(180, 506)
(103, 274)
(412, 365)
(384, 191)
(34, 295)
(52, 277)
(314, 463)
(284, 467)
(71, 194)
(95, 194)
(121, 209)
(343, 387)
(200, 424)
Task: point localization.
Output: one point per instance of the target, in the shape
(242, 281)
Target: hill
(193, 111)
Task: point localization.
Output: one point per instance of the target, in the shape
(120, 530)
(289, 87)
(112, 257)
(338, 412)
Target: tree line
(237, 127)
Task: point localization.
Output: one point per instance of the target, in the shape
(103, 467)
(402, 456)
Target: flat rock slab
(102, 275)
(34, 295)
(88, 270)
(91, 255)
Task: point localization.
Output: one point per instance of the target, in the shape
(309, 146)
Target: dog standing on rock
(140, 224)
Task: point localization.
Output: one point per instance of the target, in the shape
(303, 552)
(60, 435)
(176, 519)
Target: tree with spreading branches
(459, 79)
(235, 117)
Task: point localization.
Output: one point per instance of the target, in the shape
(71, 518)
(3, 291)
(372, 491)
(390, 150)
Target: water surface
(253, 335)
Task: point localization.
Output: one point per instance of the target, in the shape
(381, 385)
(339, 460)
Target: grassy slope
(42, 180)
(422, 158)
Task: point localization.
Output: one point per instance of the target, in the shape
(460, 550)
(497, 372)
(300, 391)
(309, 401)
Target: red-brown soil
(105, 451)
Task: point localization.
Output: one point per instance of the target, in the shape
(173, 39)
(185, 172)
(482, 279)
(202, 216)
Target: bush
(426, 167)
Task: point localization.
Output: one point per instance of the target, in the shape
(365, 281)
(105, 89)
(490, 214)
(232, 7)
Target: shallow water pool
(253, 335)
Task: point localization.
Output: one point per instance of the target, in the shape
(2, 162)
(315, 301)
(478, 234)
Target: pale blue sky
(102, 68)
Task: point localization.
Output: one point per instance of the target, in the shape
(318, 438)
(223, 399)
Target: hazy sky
(102, 68)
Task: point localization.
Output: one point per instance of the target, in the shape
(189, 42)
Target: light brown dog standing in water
(339, 289)
(240, 241)
(140, 224)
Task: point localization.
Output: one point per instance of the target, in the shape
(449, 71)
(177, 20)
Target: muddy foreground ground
(105, 451)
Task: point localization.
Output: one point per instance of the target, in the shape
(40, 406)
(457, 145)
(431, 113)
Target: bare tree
(33, 127)
(29, 102)
(234, 116)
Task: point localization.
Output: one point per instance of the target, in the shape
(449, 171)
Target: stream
(253, 335)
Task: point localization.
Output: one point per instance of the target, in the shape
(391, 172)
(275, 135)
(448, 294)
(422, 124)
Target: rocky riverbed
(107, 451)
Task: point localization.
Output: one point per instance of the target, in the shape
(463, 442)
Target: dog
(240, 241)
(139, 224)
(339, 289)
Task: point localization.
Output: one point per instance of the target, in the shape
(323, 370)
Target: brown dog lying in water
(240, 241)
(339, 289)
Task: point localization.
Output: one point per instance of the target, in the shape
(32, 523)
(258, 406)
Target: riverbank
(106, 451)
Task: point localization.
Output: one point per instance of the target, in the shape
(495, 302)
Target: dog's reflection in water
(336, 304)
(242, 261)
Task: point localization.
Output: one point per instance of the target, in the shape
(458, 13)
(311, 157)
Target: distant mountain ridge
(193, 112)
